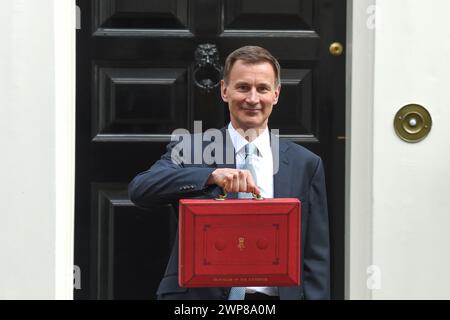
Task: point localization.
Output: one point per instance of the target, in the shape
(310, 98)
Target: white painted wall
(411, 189)
(406, 185)
(37, 148)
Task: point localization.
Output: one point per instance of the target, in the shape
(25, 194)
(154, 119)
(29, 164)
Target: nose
(252, 97)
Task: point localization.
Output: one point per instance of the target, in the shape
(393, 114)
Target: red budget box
(239, 243)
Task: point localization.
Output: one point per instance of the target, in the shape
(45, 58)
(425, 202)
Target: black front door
(135, 85)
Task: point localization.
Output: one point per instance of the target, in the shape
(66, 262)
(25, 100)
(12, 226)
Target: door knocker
(208, 71)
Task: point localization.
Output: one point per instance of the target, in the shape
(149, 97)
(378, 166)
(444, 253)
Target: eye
(263, 89)
(242, 87)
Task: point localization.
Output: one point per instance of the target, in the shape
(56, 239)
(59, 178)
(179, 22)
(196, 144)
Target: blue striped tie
(250, 150)
(238, 293)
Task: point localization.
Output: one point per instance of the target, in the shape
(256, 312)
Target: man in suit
(251, 87)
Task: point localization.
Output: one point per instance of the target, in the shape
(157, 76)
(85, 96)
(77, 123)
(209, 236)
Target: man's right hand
(234, 180)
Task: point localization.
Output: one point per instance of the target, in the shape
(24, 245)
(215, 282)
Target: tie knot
(250, 149)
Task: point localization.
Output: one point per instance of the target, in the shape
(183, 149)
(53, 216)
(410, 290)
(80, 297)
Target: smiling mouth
(251, 109)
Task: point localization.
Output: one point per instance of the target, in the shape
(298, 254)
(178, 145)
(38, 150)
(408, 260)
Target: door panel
(123, 95)
(141, 14)
(128, 242)
(294, 112)
(135, 66)
(261, 15)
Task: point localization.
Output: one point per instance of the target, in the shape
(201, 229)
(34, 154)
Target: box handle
(223, 197)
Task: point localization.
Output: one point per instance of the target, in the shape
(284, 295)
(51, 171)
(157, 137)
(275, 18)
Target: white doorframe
(65, 77)
(359, 153)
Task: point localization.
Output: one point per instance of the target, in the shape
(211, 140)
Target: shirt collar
(262, 142)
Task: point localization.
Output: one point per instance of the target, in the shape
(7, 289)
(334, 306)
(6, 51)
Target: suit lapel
(281, 187)
(229, 155)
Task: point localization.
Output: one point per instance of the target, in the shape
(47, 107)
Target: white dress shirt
(262, 161)
(263, 165)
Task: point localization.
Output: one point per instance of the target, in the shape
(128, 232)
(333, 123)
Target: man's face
(251, 94)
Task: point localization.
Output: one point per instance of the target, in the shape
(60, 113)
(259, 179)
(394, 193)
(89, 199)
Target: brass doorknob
(336, 49)
(413, 123)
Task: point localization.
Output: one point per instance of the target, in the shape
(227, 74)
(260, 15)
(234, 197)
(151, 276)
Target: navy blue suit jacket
(300, 175)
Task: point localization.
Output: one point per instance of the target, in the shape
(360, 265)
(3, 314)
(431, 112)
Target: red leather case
(239, 243)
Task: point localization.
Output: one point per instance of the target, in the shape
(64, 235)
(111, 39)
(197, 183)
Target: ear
(224, 90)
(277, 94)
